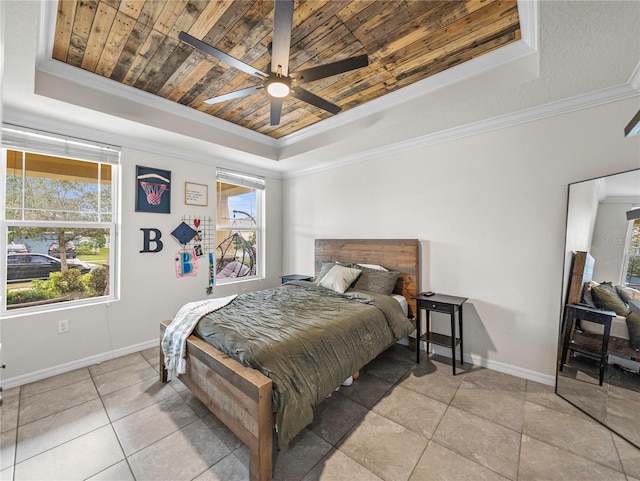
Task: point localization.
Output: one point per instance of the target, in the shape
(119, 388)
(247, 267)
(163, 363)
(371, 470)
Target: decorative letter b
(148, 240)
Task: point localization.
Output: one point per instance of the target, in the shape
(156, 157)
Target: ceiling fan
(279, 83)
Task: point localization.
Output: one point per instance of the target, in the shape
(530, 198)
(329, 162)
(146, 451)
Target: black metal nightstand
(295, 277)
(600, 353)
(448, 305)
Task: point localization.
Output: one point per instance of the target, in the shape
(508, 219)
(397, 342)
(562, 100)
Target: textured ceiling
(136, 43)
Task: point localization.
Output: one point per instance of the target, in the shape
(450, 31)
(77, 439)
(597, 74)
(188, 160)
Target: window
(59, 220)
(631, 264)
(239, 226)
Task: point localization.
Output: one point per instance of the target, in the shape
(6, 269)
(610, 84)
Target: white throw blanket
(174, 341)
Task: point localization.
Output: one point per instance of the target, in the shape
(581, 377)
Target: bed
(241, 396)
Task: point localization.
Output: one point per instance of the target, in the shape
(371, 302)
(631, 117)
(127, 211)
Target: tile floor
(399, 421)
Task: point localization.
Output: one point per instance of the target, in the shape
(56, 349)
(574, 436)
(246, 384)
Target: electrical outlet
(63, 326)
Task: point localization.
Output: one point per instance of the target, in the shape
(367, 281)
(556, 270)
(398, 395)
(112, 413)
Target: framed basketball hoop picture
(153, 190)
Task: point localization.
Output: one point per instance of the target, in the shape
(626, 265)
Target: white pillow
(339, 278)
(375, 267)
(631, 293)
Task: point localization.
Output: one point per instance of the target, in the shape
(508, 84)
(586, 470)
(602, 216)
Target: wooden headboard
(401, 255)
(581, 273)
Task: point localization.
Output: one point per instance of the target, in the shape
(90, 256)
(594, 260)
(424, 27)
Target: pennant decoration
(186, 263)
(183, 233)
(212, 274)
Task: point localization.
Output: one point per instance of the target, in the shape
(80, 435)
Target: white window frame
(257, 183)
(627, 257)
(23, 139)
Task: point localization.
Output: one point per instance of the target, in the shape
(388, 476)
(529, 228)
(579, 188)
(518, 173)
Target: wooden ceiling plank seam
(131, 8)
(353, 8)
(115, 43)
(230, 17)
(100, 30)
(158, 78)
(498, 40)
(250, 28)
(451, 40)
(201, 89)
(209, 17)
(341, 51)
(154, 67)
(144, 55)
(431, 22)
(169, 15)
(304, 10)
(317, 20)
(307, 51)
(395, 13)
(137, 38)
(398, 25)
(462, 27)
(114, 3)
(359, 19)
(85, 12)
(351, 84)
(192, 10)
(64, 27)
(191, 78)
(183, 59)
(150, 13)
(182, 72)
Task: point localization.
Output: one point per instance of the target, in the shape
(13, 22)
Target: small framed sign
(196, 194)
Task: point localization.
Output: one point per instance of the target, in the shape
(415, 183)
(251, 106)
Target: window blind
(238, 178)
(29, 140)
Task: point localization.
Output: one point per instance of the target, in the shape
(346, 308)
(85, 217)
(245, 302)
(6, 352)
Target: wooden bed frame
(240, 396)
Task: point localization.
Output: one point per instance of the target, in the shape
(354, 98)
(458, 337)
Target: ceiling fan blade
(327, 70)
(220, 55)
(313, 99)
(276, 109)
(234, 95)
(281, 43)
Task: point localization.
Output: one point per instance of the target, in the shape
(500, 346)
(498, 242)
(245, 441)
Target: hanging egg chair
(236, 257)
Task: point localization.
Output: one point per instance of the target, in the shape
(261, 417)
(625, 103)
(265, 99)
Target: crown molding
(221, 159)
(45, 63)
(527, 45)
(551, 109)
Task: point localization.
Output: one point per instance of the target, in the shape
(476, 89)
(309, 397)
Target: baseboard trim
(88, 361)
(78, 364)
(493, 365)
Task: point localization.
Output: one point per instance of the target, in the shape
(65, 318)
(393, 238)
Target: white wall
(150, 289)
(489, 211)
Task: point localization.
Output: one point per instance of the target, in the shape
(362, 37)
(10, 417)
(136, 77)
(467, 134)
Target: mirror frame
(568, 262)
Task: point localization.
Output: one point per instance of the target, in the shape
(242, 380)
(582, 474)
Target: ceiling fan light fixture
(278, 87)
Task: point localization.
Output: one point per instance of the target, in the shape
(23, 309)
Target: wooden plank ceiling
(135, 42)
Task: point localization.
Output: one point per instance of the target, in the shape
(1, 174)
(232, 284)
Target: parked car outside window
(17, 248)
(54, 251)
(26, 267)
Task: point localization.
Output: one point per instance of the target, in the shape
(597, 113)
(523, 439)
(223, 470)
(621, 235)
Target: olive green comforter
(307, 339)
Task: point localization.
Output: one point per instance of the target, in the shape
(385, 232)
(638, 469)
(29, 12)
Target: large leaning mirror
(599, 341)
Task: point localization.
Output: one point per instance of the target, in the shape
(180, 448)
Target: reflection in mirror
(599, 341)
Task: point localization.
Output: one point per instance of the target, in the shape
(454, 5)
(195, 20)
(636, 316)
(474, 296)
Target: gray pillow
(374, 280)
(606, 297)
(633, 324)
